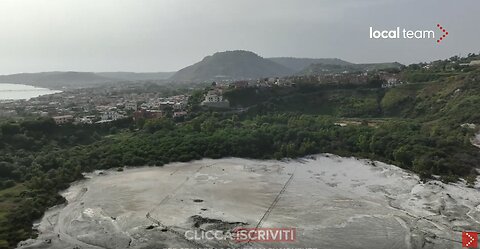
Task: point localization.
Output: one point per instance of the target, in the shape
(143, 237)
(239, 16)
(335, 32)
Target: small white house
(391, 82)
(179, 114)
(178, 106)
(111, 115)
(212, 97)
(63, 119)
(131, 106)
(215, 99)
(475, 63)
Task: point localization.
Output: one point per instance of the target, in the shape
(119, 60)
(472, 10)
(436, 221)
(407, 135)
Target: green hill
(416, 126)
(454, 99)
(299, 64)
(59, 80)
(321, 68)
(231, 65)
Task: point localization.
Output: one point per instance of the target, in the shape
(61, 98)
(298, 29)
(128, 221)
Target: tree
(10, 129)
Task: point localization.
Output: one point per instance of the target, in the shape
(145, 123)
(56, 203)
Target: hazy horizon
(167, 35)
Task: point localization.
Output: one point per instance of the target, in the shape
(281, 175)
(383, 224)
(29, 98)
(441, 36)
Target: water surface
(18, 91)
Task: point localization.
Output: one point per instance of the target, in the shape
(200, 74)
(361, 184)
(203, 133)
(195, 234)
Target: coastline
(10, 92)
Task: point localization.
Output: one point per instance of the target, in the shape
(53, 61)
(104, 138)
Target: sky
(167, 35)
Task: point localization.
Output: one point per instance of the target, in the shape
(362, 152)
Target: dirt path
(64, 221)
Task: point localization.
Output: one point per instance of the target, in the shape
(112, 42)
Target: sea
(19, 91)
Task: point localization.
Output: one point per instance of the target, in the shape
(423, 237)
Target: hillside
(419, 126)
(231, 65)
(132, 76)
(299, 64)
(452, 100)
(55, 80)
(58, 80)
(316, 69)
(416, 126)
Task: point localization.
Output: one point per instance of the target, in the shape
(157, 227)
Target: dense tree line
(403, 143)
(49, 169)
(29, 161)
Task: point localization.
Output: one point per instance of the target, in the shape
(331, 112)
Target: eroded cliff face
(476, 140)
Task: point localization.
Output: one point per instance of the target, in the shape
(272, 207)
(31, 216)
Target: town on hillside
(112, 102)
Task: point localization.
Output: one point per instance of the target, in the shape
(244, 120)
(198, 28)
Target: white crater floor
(332, 202)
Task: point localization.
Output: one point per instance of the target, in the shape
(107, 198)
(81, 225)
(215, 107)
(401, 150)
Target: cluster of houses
(174, 106)
(262, 82)
(390, 82)
(214, 97)
(341, 78)
(107, 104)
(471, 63)
(389, 79)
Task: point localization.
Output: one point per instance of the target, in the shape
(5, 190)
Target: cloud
(164, 35)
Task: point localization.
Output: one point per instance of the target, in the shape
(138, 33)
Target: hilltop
(299, 64)
(58, 80)
(322, 68)
(228, 65)
(231, 65)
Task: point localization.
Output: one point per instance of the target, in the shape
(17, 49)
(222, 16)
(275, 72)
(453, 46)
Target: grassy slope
(453, 99)
(8, 201)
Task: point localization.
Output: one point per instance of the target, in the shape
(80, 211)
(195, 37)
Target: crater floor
(333, 202)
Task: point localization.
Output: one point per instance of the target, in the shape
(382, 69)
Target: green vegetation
(31, 173)
(440, 69)
(9, 199)
(341, 101)
(228, 65)
(415, 126)
(322, 68)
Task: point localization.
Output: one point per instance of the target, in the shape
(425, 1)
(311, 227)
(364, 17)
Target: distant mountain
(131, 76)
(55, 80)
(58, 80)
(231, 65)
(299, 64)
(316, 69)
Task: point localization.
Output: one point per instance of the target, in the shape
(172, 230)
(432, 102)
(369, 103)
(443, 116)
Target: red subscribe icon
(470, 239)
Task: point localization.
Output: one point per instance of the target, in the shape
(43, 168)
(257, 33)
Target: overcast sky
(166, 35)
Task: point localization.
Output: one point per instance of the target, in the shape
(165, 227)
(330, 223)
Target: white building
(86, 119)
(213, 96)
(391, 82)
(179, 106)
(474, 63)
(215, 99)
(111, 115)
(63, 119)
(179, 114)
(131, 106)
